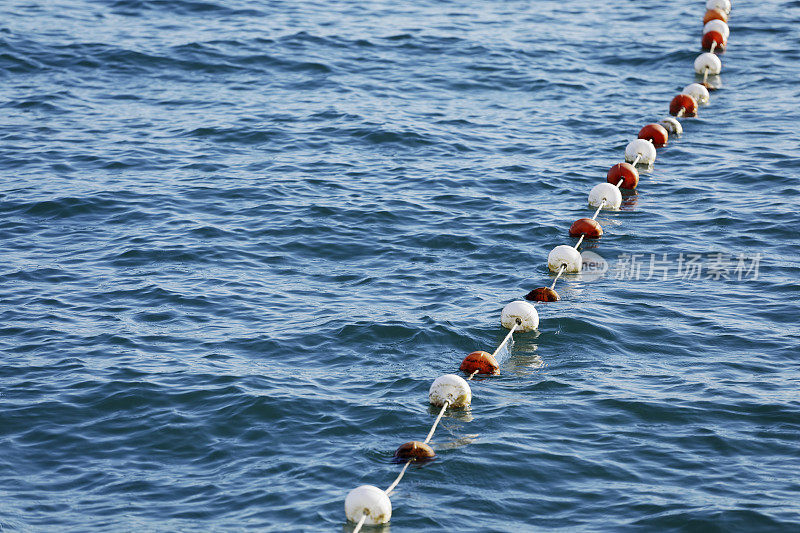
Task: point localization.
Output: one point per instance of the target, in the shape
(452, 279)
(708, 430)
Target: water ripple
(241, 238)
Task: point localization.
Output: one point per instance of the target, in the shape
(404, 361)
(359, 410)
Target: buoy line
(369, 505)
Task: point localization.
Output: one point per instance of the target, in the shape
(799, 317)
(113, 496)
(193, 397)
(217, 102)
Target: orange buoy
(543, 294)
(587, 227)
(715, 14)
(655, 133)
(483, 362)
(626, 172)
(711, 37)
(685, 102)
(415, 450)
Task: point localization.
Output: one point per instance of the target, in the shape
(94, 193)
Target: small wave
(66, 207)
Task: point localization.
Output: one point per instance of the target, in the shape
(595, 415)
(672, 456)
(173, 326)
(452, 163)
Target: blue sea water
(241, 238)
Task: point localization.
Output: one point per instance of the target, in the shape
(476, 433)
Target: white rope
(705, 75)
(427, 440)
(360, 523)
(681, 112)
(562, 268)
(399, 476)
(620, 182)
(436, 422)
(500, 347)
(713, 46)
(599, 207)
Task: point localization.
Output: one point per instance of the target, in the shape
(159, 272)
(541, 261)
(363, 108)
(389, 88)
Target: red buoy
(713, 14)
(685, 102)
(655, 133)
(483, 362)
(415, 450)
(713, 37)
(543, 294)
(587, 227)
(626, 172)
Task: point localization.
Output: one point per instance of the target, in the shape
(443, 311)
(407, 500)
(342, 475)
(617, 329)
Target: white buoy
(722, 5)
(567, 255)
(450, 388)
(520, 313)
(642, 148)
(696, 91)
(707, 61)
(606, 195)
(672, 125)
(370, 501)
(717, 26)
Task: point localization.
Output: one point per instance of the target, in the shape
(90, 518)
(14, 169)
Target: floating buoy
(566, 256)
(685, 103)
(543, 294)
(697, 91)
(715, 14)
(521, 314)
(368, 501)
(672, 125)
(719, 27)
(606, 195)
(644, 150)
(369, 505)
(654, 133)
(415, 451)
(715, 39)
(450, 388)
(587, 227)
(722, 5)
(479, 361)
(707, 62)
(621, 171)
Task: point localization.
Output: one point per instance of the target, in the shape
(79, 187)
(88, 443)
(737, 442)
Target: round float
(707, 61)
(683, 102)
(644, 149)
(722, 5)
(715, 14)
(625, 172)
(520, 313)
(606, 195)
(370, 501)
(543, 294)
(586, 227)
(672, 125)
(566, 256)
(719, 27)
(479, 361)
(450, 388)
(415, 451)
(710, 38)
(654, 133)
(697, 91)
